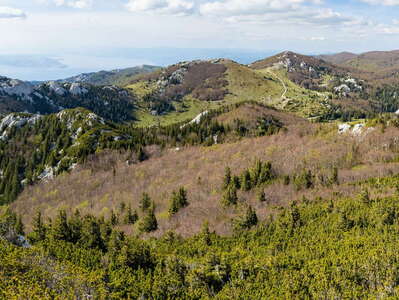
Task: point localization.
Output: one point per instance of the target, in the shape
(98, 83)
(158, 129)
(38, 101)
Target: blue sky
(48, 39)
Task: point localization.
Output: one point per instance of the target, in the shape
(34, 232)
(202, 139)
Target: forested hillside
(335, 248)
(110, 102)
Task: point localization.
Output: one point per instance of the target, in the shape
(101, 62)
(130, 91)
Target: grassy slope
(200, 169)
(375, 61)
(304, 102)
(244, 84)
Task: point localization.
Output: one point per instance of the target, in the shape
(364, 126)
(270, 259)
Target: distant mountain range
(323, 87)
(119, 77)
(380, 67)
(375, 61)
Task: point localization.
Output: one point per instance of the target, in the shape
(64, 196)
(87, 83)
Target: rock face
(110, 102)
(343, 128)
(196, 120)
(15, 87)
(77, 89)
(56, 88)
(47, 174)
(15, 120)
(79, 119)
(358, 129)
(355, 130)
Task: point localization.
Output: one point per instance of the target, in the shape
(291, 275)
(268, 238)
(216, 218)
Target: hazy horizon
(50, 39)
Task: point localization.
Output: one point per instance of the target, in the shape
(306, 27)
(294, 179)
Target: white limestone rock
(343, 128)
(56, 88)
(15, 120)
(77, 89)
(14, 87)
(47, 174)
(358, 129)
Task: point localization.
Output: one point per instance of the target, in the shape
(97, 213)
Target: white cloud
(74, 3)
(276, 11)
(250, 7)
(382, 2)
(387, 29)
(173, 7)
(10, 13)
(317, 38)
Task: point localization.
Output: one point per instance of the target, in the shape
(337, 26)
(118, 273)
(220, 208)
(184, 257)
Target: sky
(52, 39)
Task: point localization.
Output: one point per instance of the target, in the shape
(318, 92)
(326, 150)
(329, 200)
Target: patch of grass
(142, 88)
(185, 111)
(247, 84)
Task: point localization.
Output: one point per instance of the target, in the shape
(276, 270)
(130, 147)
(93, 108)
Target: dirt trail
(282, 83)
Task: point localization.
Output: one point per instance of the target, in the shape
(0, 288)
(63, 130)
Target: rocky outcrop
(56, 88)
(111, 102)
(357, 130)
(196, 120)
(15, 120)
(14, 87)
(79, 118)
(348, 85)
(77, 89)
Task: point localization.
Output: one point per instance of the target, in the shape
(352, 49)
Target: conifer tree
(227, 178)
(295, 215)
(91, 234)
(365, 197)
(251, 219)
(141, 155)
(60, 228)
(145, 202)
(39, 229)
(106, 231)
(75, 227)
(122, 207)
(19, 226)
(246, 182)
(230, 196)
(114, 218)
(262, 196)
(149, 222)
(334, 176)
(265, 174)
(206, 234)
(178, 201)
(236, 182)
(256, 172)
(130, 216)
(115, 242)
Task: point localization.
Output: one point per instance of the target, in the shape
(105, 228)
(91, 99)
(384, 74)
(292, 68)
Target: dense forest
(313, 249)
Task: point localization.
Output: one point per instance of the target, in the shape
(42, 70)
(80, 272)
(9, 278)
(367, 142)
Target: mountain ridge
(118, 77)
